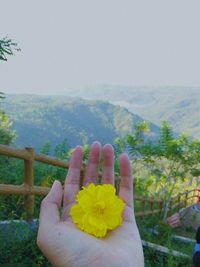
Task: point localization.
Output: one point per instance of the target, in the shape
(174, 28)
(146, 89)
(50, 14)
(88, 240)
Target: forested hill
(39, 119)
(180, 106)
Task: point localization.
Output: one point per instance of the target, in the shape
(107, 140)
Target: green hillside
(39, 119)
(180, 106)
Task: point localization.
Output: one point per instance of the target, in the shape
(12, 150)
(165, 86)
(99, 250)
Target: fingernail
(124, 155)
(108, 145)
(55, 182)
(96, 143)
(78, 147)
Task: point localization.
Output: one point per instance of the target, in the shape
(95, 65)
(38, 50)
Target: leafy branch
(7, 48)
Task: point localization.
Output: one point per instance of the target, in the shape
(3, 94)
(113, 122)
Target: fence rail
(184, 199)
(30, 190)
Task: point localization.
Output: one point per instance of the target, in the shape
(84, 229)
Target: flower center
(99, 207)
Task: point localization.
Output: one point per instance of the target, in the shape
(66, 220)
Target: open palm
(64, 244)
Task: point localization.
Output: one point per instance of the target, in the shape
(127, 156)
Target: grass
(18, 248)
(165, 238)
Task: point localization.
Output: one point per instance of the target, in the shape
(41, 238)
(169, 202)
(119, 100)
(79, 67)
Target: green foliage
(61, 150)
(164, 237)
(165, 167)
(7, 46)
(7, 134)
(119, 147)
(11, 207)
(86, 150)
(20, 249)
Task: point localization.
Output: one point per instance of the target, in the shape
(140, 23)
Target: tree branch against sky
(7, 48)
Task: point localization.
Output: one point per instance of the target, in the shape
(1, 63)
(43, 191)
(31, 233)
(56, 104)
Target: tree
(169, 157)
(163, 167)
(7, 47)
(7, 135)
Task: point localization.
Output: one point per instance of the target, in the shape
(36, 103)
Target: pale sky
(74, 44)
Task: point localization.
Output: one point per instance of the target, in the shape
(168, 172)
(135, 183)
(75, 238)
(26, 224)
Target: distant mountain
(38, 119)
(180, 106)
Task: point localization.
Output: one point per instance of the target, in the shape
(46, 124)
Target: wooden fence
(183, 200)
(146, 206)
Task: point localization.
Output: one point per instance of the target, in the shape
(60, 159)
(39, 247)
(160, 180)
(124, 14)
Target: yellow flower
(98, 209)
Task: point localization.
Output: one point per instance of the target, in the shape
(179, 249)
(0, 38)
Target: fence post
(29, 182)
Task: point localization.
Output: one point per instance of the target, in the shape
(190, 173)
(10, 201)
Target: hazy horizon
(67, 91)
(69, 45)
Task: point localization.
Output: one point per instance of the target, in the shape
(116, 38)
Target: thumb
(49, 211)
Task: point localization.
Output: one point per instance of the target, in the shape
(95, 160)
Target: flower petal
(98, 209)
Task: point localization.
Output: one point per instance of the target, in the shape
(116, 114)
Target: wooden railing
(148, 206)
(145, 206)
(28, 189)
(183, 200)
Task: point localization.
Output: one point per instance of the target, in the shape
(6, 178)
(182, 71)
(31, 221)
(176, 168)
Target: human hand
(64, 244)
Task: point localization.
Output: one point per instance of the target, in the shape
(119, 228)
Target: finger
(91, 174)
(49, 211)
(108, 166)
(126, 184)
(72, 181)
